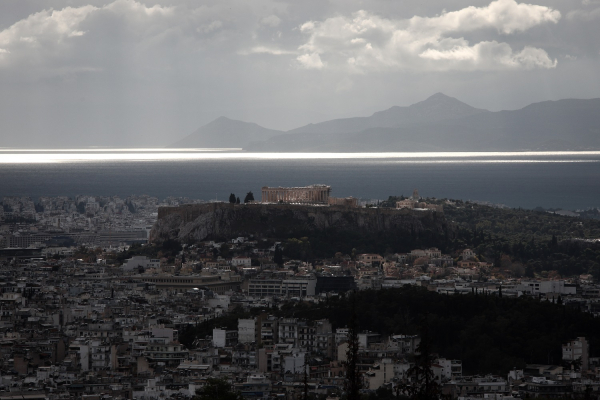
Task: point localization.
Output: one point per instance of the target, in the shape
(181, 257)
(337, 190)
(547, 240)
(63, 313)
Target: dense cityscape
(299, 200)
(92, 309)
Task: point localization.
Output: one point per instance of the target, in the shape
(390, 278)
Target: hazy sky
(128, 72)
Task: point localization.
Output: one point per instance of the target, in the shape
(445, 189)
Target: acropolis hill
(197, 222)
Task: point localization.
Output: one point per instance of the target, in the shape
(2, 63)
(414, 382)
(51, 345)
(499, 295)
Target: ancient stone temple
(313, 194)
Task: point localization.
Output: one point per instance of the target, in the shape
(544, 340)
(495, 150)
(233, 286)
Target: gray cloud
(123, 72)
(365, 41)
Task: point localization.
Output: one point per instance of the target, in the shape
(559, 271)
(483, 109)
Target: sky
(147, 73)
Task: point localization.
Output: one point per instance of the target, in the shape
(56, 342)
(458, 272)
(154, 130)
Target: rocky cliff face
(197, 222)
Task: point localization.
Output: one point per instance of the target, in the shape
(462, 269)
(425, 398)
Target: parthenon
(313, 194)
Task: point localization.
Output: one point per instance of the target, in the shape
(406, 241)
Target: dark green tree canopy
(278, 256)
(232, 198)
(217, 389)
(249, 197)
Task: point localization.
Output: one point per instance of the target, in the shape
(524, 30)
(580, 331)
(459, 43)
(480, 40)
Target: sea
(565, 180)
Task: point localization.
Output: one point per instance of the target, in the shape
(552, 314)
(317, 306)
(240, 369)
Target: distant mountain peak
(226, 133)
(439, 95)
(223, 119)
(438, 99)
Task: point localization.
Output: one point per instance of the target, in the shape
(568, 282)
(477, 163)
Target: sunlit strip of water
(13, 157)
(111, 150)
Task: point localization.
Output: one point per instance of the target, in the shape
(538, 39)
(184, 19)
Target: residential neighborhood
(84, 314)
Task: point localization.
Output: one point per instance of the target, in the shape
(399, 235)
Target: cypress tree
(422, 384)
(353, 377)
(249, 197)
(305, 380)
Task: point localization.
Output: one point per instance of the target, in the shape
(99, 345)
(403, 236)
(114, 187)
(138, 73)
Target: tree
(232, 198)
(305, 379)
(278, 256)
(353, 381)
(422, 384)
(249, 197)
(297, 249)
(224, 250)
(217, 389)
(237, 200)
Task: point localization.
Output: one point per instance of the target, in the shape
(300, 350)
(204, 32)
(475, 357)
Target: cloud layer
(365, 42)
(119, 71)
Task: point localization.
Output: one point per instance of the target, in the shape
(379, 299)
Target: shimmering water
(568, 180)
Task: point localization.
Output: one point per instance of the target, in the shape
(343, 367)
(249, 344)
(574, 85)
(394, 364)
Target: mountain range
(439, 123)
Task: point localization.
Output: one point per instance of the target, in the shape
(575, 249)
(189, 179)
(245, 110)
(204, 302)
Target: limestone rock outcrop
(196, 222)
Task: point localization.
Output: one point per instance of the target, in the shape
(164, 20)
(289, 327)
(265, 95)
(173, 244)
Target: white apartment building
(246, 330)
(536, 287)
(224, 338)
(433, 252)
(241, 262)
(133, 263)
(578, 349)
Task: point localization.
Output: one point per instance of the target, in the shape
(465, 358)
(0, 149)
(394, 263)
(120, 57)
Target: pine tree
(249, 197)
(232, 198)
(237, 200)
